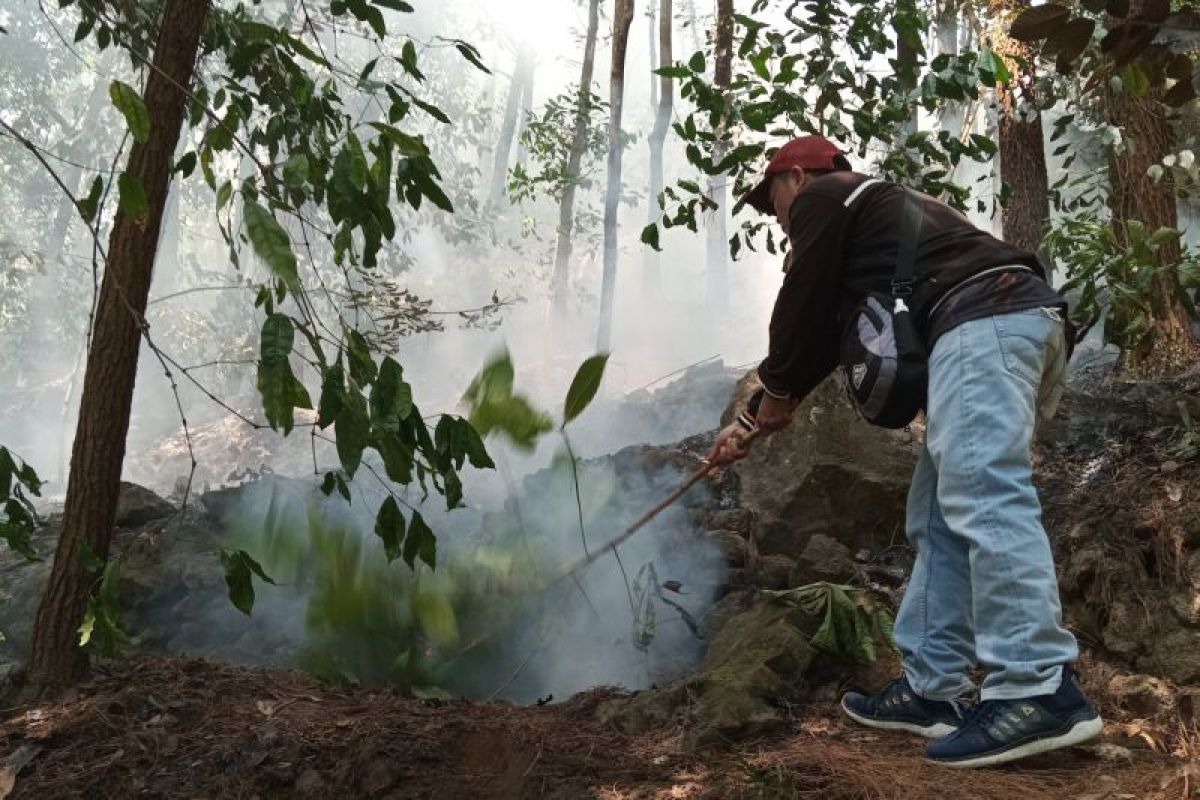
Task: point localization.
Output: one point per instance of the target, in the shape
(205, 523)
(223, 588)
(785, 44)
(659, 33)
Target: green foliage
(494, 406)
(584, 386)
(101, 629)
(18, 482)
(240, 570)
(1117, 274)
(810, 76)
(852, 621)
(271, 242)
(129, 102)
(281, 391)
(547, 137)
(132, 196)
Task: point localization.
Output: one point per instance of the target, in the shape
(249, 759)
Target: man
(983, 590)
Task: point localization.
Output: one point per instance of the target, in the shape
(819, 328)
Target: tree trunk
(718, 245)
(622, 19)
(99, 447)
(522, 74)
(1025, 192)
(651, 264)
(566, 207)
(1170, 347)
(526, 113)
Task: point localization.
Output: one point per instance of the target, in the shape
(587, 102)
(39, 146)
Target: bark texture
(1025, 196)
(566, 208)
(99, 448)
(622, 20)
(1170, 347)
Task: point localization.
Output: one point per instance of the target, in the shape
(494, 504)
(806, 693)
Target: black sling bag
(883, 359)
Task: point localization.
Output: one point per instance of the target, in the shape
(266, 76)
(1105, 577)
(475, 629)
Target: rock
(829, 472)
(1175, 656)
(757, 659)
(310, 783)
(732, 546)
(1125, 631)
(738, 520)
(774, 572)
(1143, 696)
(823, 559)
(137, 505)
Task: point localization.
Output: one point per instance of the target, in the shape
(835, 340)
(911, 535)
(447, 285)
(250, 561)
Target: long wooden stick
(679, 492)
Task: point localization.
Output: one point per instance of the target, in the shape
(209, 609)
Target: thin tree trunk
(526, 113)
(1025, 192)
(622, 20)
(1170, 346)
(522, 73)
(652, 36)
(566, 207)
(718, 245)
(907, 58)
(665, 95)
(99, 449)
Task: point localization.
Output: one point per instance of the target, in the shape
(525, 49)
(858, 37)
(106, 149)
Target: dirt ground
(194, 729)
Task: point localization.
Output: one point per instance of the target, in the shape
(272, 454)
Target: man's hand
(774, 413)
(729, 446)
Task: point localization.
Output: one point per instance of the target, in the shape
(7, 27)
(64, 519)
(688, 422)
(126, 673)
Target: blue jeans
(983, 589)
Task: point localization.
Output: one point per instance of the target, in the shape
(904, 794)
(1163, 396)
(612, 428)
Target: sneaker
(898, 708)
(999, 731)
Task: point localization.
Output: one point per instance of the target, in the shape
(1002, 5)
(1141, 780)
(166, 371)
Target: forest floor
(187, 728)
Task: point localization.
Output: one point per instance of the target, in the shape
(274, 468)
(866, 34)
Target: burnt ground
(197, 729)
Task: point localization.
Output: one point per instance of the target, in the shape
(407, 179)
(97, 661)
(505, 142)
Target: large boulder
(827, 473)
(137, 505)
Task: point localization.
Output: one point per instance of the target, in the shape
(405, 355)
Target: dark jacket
(842, 253)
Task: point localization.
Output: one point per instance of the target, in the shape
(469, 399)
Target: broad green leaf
(650, 236)
(223, 194)
(129, 102)
(187, 164)
(420, 543)
(696, 63)
(395, 5)
(362, 366)
(240, 569)
(333, 385)
(397, 456)
(280, 390)
(271, 243)
(470, 53)
(89, 205)
(389, 527)
(352, 432)
(295, 171)
(476, 452)
(584, 386)
(133, 197)
(391, 397)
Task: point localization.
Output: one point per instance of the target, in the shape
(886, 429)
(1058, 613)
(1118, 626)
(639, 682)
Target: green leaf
(470, 53)
(186, 165)
(129, 102)
(389, 527)
(133, 196)
(420, 543)
(362, 367)
(391, 397)
(999, 68)
(584, 386)
(473, 445)
(91, 204)
(280, 390)
(295, 171)
(271, 243)
(650, 236)
(353, 431)
(333, 385)
(223, 194)
(395, 5)
(1038, 22)
(240, 569)
(1162, 236)
(397, 456)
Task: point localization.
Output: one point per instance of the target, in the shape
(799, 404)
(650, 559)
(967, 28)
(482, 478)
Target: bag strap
(906, 258)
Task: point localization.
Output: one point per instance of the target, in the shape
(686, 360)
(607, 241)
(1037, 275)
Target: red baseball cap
(807, 152)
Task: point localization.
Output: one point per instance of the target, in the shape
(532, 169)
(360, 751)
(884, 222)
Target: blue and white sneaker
(898, 708)
(999, 731)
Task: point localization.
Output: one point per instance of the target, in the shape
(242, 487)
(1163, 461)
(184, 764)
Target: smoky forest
(366, 368)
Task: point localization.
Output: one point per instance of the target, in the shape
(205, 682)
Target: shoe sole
(935, 731)
(1078, 733)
